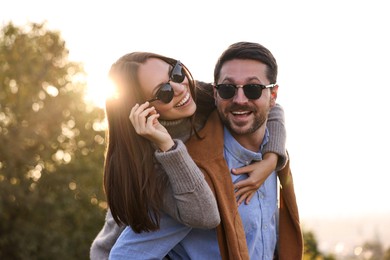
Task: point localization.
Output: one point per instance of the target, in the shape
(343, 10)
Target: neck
(171, 122)
(251, 141)
(178, 129)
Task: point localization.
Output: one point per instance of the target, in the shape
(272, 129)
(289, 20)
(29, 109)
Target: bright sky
(334, 80)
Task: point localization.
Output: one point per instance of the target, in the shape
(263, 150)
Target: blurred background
(333, 61)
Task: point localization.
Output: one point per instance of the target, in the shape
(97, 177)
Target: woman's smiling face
(153, 74)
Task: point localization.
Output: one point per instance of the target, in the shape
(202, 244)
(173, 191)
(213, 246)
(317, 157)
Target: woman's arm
(277, 136)
(189, 198)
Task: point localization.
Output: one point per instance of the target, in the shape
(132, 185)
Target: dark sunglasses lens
(165, 93)
(253, 91)
(226, 91)
(177, 74)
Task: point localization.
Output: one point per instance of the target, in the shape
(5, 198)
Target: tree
(311, 251)
(311, 248)
(51, 149)
(373, 250)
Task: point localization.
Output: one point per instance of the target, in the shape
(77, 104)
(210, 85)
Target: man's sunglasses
(251, 91)
(165, 92)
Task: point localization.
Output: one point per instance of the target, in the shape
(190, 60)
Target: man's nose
(240, 97)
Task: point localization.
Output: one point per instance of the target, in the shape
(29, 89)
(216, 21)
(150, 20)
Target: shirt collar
(240, 153)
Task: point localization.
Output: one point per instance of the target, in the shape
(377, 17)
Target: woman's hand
(144, 120)
(258, 172)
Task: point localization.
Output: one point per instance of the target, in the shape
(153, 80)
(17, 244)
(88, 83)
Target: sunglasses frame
(173, 76)
(260, 86)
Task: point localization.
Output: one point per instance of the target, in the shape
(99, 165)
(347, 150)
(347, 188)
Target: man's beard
(259, 120)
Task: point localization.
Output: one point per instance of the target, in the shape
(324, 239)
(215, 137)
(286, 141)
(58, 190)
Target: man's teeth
(240, 112)
(184, 100)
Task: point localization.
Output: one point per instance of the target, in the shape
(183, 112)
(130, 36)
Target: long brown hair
(133, 188)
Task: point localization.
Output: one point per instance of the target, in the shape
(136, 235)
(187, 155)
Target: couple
(180, 201)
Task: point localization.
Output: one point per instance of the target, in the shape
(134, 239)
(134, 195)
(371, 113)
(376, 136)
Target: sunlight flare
(99, 89)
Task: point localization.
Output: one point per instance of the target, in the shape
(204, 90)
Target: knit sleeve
(188, 199)
(277, 136)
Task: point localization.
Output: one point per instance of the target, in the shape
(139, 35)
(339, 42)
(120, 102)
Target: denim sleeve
(149, 245)
(106, 238)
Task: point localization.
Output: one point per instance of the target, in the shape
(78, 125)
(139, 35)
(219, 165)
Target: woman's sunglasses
(251, 91)
(165, 92)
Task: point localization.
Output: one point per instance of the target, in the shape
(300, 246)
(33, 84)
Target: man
(245, 90)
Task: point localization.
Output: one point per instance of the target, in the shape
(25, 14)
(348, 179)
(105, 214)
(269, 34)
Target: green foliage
(311, 251)
(51, 150)
(310, 246)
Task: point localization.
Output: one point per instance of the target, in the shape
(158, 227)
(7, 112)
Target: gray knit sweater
(189, 199)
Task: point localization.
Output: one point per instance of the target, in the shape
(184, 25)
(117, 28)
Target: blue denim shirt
(258, 217)
(149, 245)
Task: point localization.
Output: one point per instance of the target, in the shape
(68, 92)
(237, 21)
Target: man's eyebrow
(230, 79)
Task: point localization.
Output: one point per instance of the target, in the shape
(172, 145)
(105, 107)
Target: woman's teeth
(184, 100)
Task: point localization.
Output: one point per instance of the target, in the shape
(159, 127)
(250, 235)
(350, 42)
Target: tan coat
(208, 155)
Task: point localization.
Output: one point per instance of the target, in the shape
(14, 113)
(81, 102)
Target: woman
(150, 180)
